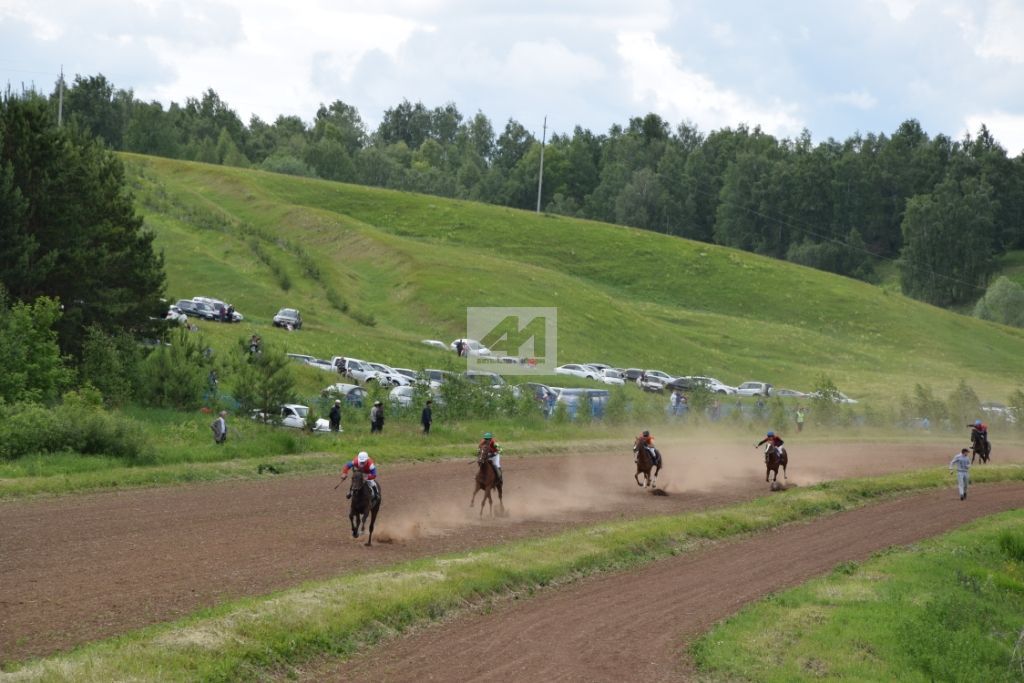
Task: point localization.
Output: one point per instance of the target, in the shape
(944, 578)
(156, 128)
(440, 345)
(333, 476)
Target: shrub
(79, 424)
(1012, 545)
(175, 376)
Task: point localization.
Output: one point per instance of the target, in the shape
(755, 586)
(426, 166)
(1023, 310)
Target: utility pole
(60, 98)
(540, 178)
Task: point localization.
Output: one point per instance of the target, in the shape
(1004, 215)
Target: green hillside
(411, 264)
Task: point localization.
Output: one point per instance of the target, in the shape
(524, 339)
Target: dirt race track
(80, 568)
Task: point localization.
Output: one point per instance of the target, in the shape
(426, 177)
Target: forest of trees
(943, 209)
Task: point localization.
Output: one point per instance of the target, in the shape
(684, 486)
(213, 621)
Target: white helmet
(362, 457)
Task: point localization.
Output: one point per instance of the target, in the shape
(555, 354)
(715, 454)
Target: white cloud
(657, 78)
(900, 10)
(1007, 129)
(1002, 36)
(549, 63)
(861, 99)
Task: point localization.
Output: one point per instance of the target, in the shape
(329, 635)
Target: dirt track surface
(84, 567)
(590, 631)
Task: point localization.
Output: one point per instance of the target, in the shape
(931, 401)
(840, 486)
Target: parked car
(683, 384)
(611, 376)
(353, 368)
(754, 389)
(196, 309)
(411, 374)
(436, 343)
(301, 358)
(471, 347)
(839, 398)
(540, 392)
(292, 415)
(435, 378)
(321, 364)
(176, 315)
(660, 376)
(387, 375)
(647, 384)
(577, 370)
(998, 411)
(788, 393)
(221, 309)
(288, 317)
(352, 394)
(599, 366)
(713, 384)
(574, 398)
(486, 379)
(402, 397)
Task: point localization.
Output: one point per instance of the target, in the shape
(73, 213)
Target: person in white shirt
(963, 466)
(220, 428)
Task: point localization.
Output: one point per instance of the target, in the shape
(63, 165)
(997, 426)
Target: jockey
(979, 430)
(492, 451)
(774, 440)
(364, 463)
(647, 441)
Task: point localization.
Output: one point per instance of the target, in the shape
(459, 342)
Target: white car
(577, 370)
(411, 374)
(471, 347)
(788, 393)
(611, 376)
(301, 358)
(659, 376)
(292, 415)
(713, 385)
(321, 364)
(754, 389)
(358, 370)
(436, 343)
(387, 375)
(175, 314)
(435, 378)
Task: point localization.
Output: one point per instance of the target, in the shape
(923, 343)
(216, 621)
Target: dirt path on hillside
(84, 567)
(589, 631)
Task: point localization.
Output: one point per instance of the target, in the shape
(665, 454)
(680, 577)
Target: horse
(773, 457)
(363, 505)
(645, 463)
(981, 447)
(487, 479)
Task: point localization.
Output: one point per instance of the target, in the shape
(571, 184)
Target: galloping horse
(487, 479)
(644, 464)
(980, 447)
(773, 457)
(363, 505)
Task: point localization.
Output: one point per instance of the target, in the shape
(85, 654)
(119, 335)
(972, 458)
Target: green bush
(1012, 544)
(79, 424)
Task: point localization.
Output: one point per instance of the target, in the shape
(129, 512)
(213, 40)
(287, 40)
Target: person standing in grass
(427, 417)
(334, 417)
(801, 415)
(220, 428)
(963, 474)
(377, 418)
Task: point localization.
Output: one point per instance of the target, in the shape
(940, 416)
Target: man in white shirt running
(963, 466)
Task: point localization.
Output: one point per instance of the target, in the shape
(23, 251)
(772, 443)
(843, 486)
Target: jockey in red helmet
(364, 463)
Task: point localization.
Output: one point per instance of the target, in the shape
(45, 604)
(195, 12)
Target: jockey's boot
(501, 478)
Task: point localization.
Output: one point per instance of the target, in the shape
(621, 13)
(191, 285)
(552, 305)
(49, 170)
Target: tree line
(942, 209)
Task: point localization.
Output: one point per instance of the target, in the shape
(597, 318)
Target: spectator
(459, 347)
(801, 415)
(673, 402)
(716, 410)
(427, 417)
(334, 418)
(377, 418)
(220, 428)
(684, 404)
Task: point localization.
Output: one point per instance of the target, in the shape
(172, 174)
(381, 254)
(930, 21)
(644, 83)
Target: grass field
(248, 639)
(411, 264)
(948, 609)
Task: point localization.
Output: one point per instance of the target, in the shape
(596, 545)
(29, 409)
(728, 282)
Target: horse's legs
(637, 477)
(354, 521)
(501, 503)
(654, 477)
(373, 520)
(473, 499)
(485, 499)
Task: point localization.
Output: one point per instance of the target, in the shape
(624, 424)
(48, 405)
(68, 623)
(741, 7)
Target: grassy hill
(348, 256)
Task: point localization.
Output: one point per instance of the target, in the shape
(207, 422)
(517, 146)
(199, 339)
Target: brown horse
(773, 458)
(645, 462)
(364, 506)
(981, 447)
(486, 480)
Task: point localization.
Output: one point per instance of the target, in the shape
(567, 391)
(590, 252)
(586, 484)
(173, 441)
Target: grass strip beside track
(255, 637)
(948, 609)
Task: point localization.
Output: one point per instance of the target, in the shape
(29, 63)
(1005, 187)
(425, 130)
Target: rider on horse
(979, 433)
(645, 440)
(363, 463)
(492, 451)
(774, 440)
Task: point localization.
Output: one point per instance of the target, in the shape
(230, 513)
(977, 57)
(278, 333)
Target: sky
(834, 67)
